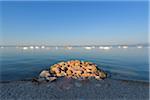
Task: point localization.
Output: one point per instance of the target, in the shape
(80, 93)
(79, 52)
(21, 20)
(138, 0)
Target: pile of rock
(73, 69)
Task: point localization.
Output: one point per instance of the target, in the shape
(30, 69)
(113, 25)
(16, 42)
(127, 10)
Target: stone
(35, 80)
(69, 72)
(63, 73)
(77, 84)
(61, 63)
(102, 74)
(98, 77)
(41, 79)
(44, 73)
(74, 69)
(51, 78)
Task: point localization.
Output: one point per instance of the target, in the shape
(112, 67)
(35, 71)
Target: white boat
(31, 47)
(36, 47)
(69, 48)
(139, 47)
(106, 48)
(2, 47)
(25, 48)
(42, 47)
(101, 47)
(88, 48)
(125, 47)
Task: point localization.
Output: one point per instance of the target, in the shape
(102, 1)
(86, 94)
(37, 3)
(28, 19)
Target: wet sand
(69, 89)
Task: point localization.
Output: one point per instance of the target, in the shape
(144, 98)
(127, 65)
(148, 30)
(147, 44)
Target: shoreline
(116, 79)
(70, 89)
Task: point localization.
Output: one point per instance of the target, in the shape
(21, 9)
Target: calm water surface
(130, 64)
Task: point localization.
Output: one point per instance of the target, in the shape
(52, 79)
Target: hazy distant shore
(69, 89)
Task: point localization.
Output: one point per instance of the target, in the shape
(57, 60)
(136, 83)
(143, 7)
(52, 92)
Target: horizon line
(11, 45)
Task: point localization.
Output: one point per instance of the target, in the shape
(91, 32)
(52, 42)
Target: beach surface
(70, 89)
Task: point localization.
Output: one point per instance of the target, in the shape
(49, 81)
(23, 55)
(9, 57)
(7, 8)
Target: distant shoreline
(131, 45)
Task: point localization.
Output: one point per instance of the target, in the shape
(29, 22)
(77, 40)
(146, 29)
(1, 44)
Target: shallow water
(130, 63)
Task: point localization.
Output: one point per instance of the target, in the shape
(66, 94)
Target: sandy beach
(70, 89)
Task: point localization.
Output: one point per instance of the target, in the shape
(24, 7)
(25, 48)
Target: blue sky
(74, 23)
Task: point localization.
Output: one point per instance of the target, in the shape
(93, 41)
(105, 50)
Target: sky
(73, 23)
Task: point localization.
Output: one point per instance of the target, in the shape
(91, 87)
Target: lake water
(130, 63)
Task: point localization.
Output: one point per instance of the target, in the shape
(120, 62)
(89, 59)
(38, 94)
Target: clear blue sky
(74, 23)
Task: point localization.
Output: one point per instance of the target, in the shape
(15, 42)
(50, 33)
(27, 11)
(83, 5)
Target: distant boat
(36, 47)
(69, 48)
(125, 47)
(104, 48)
(101, 47)
(88, 48)
(25, 48)
(31, 47)
(139, 47)
(42, 47)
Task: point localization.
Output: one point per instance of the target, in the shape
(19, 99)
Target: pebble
(78, 84)
(44, 73)
(98, 85)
